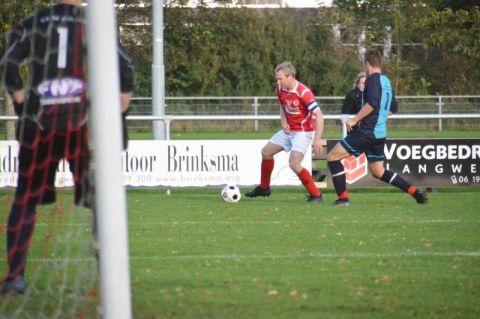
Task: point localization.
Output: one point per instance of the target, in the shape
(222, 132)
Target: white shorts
(293, 141)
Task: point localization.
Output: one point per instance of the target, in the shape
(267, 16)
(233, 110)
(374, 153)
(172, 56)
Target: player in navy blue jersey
(53, 112)
(370, 134)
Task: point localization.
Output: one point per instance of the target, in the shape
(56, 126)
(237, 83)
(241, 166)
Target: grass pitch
(194, 256)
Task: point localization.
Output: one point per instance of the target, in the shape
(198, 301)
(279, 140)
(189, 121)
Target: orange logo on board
(355, 167)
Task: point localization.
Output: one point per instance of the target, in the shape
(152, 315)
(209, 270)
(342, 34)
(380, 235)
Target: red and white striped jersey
(299, 104)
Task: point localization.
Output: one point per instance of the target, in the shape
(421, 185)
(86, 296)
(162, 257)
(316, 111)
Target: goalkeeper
(53, 112)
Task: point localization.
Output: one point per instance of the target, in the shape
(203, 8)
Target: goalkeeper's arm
(126, 78)
(18, 47)
(126, 88)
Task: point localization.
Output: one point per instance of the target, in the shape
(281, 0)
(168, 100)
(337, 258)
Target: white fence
(249, 113)
(170, 118)
(268, 105)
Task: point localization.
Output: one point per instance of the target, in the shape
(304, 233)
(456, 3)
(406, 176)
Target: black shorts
(39, 156)
(358, 142)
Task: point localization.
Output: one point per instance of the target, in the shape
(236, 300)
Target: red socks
(304, 175)
(307, 181)
(266, 172)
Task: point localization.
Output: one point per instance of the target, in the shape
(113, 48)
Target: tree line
(233, 51)
(435, 45)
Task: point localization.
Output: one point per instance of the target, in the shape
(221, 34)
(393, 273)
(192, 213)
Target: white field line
(353, 255)
(277, 222)
(316, 255)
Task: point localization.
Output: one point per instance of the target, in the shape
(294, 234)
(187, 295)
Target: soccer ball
(231, 194)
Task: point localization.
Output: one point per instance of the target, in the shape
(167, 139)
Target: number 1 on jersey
(62, 47)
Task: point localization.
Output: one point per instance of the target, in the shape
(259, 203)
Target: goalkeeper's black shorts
(39, 156)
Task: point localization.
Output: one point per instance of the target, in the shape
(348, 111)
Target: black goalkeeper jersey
(52, 42)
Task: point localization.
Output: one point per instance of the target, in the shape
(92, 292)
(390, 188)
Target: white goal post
(103, 77)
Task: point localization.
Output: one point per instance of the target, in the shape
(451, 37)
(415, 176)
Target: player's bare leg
(268, 151)
(378, 171)
(295, 162)
(338, 173)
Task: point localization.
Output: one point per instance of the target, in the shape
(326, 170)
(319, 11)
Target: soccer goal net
(60, 78)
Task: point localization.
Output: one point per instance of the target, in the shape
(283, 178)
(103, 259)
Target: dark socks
(397, 181)
(21, 224)
(338, 177)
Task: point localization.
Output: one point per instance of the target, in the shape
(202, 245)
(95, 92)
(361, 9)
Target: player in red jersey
(302, 120)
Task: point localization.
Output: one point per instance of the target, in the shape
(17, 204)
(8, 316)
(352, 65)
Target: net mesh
(44, 70)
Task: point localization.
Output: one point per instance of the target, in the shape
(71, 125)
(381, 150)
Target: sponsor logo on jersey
(61, 91)
(291, 107)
